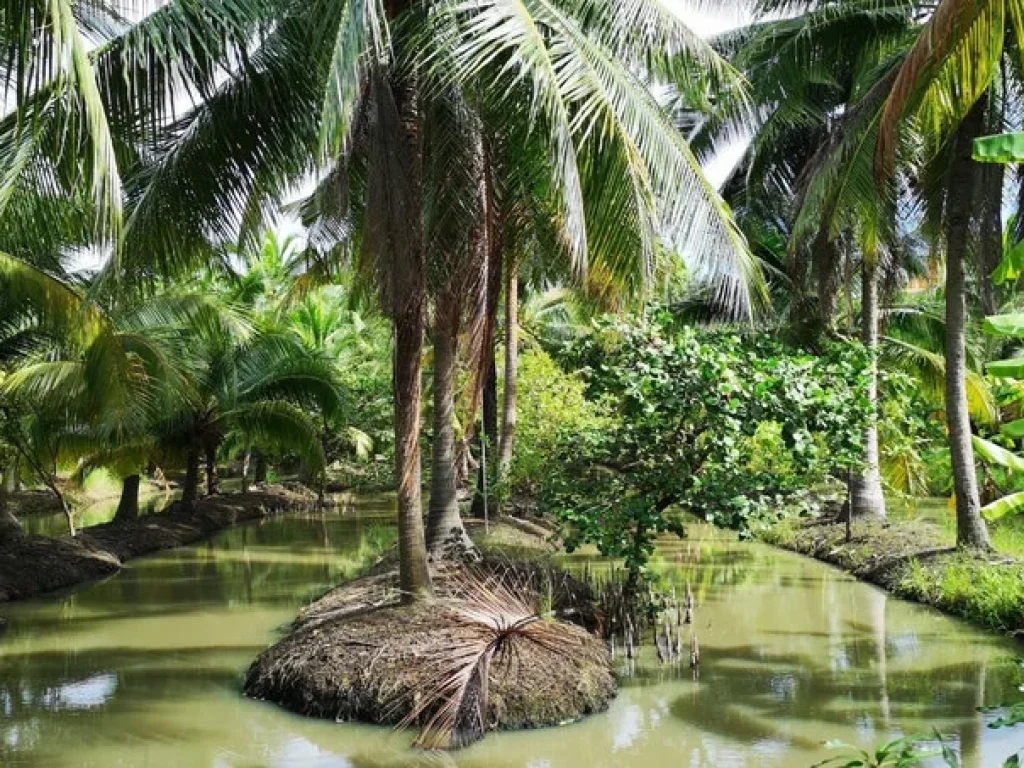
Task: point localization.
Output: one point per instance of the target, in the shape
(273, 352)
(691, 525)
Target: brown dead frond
(497, 616)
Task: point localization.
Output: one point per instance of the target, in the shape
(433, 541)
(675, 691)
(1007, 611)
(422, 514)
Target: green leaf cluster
(731, 428)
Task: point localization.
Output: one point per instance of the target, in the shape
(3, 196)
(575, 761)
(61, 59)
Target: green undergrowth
(916, 560)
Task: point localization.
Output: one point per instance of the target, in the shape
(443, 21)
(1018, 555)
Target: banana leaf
(1001, 148)
(1013, 429)
(1011, 266)
(1000, 508)
(1006, 369)
(1005, 325)
(990, 453)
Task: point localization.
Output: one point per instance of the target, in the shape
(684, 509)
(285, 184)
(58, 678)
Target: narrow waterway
(144, 669)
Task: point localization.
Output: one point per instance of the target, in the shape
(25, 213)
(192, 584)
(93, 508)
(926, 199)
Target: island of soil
(360, 654)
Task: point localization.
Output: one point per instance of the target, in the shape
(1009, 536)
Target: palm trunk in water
(866, 496)
(970, 528)
(128, 506)
(506, 444)
(445, 532)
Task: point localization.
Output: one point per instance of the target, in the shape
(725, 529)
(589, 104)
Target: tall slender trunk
(246, 461)
(190, 489)
(970, 528)
(9, 526)
(489, 413)
(508, 407)
(827, 273)
(408, 290)
(261, 470)
(445, 533)
(866, 496)
(69, 514)
(128, 506)
(990, 197)
(212, 476)
(414, 576)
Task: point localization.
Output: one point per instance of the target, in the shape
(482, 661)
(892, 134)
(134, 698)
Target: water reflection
(144, 668)
(56, 524)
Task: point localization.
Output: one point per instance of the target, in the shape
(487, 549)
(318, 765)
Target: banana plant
(1004, 148)
(1012, 327)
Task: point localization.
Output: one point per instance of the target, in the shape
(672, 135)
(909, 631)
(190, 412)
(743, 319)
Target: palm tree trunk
(489, 411)
(128, 506)
(508, 409)
(212, 477)
(414, 578)
(827, 272)
(246, 461)
(866, 496)
(445, 533)
(69, 514)
(408, 291)
(190, 489)
(970, 528)
(990, 196)
(9, 526)
(260, 471)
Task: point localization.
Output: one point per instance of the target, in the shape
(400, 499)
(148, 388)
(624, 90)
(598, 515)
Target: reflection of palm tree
(875, 613)
(974, 723)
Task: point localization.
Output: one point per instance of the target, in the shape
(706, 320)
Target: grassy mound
(914, 560)
(357, 654)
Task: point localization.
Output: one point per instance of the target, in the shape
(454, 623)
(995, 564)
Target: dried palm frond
(495, 618)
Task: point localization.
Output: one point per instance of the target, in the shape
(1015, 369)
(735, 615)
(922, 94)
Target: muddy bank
(35, 565)
(357, 654)
(912, 560)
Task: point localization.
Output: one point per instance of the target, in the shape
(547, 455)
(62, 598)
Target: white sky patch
(707, 22)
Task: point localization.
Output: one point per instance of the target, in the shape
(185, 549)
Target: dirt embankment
(35, 565)
(358, 654)
(914, 561)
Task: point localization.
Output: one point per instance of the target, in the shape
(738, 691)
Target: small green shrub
(552, 408)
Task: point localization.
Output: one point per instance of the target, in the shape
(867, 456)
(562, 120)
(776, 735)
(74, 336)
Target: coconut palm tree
(818, 77)
(945, 88)
(251, 391)
(343, 89)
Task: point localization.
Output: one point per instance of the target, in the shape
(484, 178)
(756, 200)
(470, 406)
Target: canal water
(145, 668)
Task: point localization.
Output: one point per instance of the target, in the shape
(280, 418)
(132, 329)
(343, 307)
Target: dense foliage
(553, 411)
(732, 428)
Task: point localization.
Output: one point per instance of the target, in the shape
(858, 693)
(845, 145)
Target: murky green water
(56, 523)
(144, 669)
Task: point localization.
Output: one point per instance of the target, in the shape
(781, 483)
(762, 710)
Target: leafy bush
(552, 408)
(727, 427)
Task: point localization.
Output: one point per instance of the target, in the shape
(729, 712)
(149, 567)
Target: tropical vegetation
(468, 251)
